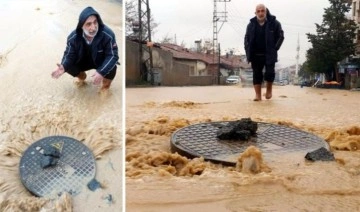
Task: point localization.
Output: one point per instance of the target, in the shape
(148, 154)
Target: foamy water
(33, 105)
(157, 180)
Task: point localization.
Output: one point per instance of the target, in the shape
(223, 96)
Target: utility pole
(218, 16)
(145, 37)
(297, 61)
(219, 73)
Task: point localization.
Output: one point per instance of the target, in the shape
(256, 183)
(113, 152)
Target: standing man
(263, 39)
(91, 45)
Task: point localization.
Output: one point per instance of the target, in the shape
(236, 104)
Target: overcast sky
(191, 20)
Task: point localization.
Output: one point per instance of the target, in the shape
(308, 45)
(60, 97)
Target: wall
(132, 72)
(172, 72)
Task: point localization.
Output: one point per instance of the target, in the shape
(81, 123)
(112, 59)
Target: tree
(304, 71)
(167, 39)
(132, 18)
(333, 41)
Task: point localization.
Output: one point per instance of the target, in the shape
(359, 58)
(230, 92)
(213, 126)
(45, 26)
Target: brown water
(158, 180)
(33, 105)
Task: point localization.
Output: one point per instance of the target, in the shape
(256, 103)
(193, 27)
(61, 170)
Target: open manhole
(74, 169)
(199, 140)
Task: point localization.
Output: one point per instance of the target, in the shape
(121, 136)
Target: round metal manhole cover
(74, 169)
(199, 140)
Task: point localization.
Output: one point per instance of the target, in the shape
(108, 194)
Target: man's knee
(76, 70)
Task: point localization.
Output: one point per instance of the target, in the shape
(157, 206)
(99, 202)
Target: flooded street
(34, 105)
(158, 180)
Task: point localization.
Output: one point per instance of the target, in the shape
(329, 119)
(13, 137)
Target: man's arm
(111, 55)
(279, 36)
(69, 53)
(246, 43)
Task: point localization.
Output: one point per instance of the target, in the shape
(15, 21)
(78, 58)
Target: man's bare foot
(104, 92)
(256, 99)
(268, 95)
(257, 88)
(80, 83)
(81, 79)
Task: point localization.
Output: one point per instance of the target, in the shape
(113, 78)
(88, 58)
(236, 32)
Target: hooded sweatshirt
(104, 50)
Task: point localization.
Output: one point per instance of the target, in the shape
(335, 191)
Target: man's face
(91, 26)
(260, 13)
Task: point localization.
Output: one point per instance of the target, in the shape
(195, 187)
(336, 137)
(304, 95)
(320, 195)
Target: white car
(233, 79)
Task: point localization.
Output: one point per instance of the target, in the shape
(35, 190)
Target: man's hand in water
(97, 78)
(58, 72)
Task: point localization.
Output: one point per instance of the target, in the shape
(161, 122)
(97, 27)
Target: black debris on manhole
(201, 140)
(241, 130)
(50, 155)
(56, 164)
(320, 154)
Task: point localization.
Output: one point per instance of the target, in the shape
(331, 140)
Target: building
(174, 65)
(349, 70)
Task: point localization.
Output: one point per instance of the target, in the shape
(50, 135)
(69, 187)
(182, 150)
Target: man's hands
(97, 78)
(58, 72)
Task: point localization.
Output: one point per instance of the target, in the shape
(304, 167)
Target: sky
(191, 20)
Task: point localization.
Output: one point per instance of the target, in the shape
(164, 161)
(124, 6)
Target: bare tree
(167, 39)
(132, 18)
(183, 44)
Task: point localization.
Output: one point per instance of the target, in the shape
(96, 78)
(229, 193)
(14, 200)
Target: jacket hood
(268, 15)
(84, 15)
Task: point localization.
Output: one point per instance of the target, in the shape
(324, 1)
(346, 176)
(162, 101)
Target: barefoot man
(91, 45)
(263, 39)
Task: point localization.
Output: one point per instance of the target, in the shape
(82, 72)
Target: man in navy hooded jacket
(91, 45)
(263, 39)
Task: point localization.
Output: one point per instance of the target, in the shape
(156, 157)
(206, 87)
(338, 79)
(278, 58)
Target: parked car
(233, 79)
(282, 83)
(305, 83)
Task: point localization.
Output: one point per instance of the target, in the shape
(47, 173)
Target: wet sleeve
(111, 56)
(69, 54)
(279, 36)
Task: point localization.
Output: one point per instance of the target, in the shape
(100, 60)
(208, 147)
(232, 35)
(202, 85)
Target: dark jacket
(104, 49)
(274, 37)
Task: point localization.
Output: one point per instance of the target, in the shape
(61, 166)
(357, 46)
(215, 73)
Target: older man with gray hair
(263, 39)
(92, 45)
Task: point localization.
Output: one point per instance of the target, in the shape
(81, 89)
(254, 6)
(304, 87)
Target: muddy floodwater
(159, 180)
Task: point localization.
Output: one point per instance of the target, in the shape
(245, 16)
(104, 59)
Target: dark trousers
(257, 64)
(83, 66)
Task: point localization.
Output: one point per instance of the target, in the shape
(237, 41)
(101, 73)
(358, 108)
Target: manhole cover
(73, 171)
(199, 140)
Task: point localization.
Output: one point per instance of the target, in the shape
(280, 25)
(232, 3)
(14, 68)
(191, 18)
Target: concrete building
(356, 17)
